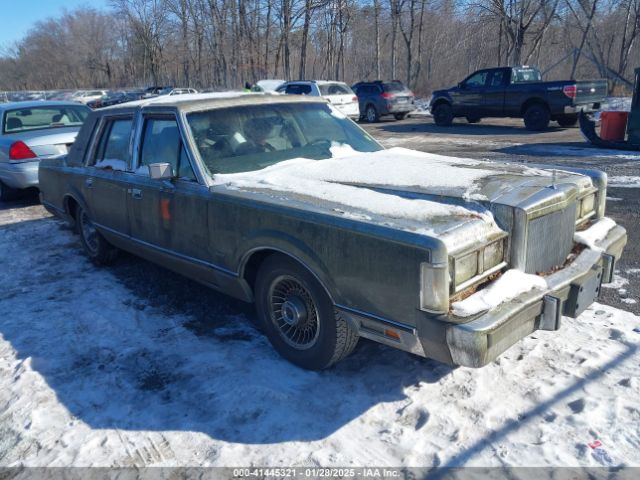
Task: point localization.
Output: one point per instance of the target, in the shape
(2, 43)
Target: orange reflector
(392, 333)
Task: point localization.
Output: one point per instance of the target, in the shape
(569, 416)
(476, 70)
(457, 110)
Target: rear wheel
(371, 114)
(7, 193)
(298, 316)
(473, 119)
(443, 114)
(537, 117)
(568, 120)
(94, 244)
(400, 116)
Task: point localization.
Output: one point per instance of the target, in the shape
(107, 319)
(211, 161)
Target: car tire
(371, 114)
(7, 193)
(473, 119)
(537, 117)
(568, 121)
(400, 116)
(94, 244)
(443, 114)
(298, 316)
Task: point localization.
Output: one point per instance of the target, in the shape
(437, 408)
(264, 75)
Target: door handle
(89, 182)
(136, 193)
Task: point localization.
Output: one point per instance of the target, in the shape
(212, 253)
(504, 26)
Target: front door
(467, 99)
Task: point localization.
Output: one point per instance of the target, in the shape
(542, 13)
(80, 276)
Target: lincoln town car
(285, 202)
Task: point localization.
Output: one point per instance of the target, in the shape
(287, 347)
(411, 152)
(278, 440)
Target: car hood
(48, 142)
(452, 199)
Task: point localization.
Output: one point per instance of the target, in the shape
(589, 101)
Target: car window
(525, 75)
(38, 118)
(248, 138)
(114, 150)
(162, 143)
(334, 89)
(477, 80)
(393, 87)
(297, 89)
(498, 78)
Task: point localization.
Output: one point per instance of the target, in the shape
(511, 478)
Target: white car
(86, 96)
(339, 94)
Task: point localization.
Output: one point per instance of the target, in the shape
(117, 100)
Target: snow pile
(616, 104)
(624, 181)
(511, 284)
(421, 107)
(595, 233)
(145, 368)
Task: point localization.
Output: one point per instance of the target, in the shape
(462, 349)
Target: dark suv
(383, 98)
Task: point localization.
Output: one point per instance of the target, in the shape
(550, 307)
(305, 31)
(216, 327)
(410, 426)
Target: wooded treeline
(224, 43)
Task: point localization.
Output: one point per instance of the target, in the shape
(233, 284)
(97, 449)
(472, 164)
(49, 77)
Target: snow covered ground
(93, 374)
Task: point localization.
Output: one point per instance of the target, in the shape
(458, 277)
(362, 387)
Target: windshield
(38, 118)
(334, 89)
(248, 138)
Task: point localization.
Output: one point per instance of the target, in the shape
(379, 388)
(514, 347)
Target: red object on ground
(613, 125)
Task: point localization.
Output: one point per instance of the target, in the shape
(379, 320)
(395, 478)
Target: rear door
(168, 215)
(106, 183)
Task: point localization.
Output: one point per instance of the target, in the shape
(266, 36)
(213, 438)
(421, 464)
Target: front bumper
(19, 174)
(571, 290)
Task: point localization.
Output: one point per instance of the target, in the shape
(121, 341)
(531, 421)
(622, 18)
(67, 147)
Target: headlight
(466, 268)
(586, 207)
(434, 288)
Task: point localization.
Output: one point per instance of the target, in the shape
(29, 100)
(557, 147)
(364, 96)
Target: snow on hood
(341, 180)
(356, 180)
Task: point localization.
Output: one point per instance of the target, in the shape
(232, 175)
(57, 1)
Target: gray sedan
(31, 131)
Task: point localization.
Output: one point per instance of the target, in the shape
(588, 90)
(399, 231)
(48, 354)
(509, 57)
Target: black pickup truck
(517, 92)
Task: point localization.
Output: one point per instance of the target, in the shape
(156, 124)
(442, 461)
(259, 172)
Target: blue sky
(19, 15)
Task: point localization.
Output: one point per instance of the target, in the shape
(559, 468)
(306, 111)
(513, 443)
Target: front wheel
(298, 316)
(94, 244)
(472, 119)
(443, 114)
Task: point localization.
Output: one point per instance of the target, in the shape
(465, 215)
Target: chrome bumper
(20, 174)
(571, 290)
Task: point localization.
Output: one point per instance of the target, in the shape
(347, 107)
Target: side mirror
(160, 171)
(462, 86)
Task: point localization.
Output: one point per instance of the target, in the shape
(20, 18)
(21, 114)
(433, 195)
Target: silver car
(31, 131)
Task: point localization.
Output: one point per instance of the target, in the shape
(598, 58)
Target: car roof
(208, 101)
(37, 103)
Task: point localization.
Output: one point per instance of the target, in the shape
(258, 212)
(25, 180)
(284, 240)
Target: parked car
(267, 85)
(517, 92)
(338, 94)
(380, 98)
(115, 98)
(30, 132)
(180, 91)
(279, 200)
(86, 96)
(155, 90)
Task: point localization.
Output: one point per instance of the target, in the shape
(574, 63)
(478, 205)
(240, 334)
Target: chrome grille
(550, 239)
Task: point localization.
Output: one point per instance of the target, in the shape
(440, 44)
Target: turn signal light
(20, 151)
